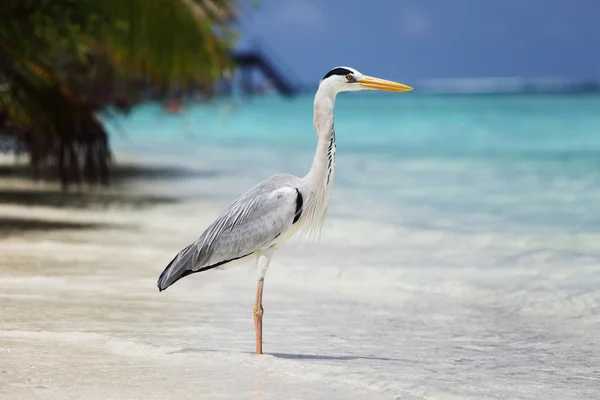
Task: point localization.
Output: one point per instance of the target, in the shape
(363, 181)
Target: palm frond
(63, 60)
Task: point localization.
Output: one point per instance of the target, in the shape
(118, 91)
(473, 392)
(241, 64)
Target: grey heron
(262, 219)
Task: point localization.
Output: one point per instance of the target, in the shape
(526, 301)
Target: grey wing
(253, 222)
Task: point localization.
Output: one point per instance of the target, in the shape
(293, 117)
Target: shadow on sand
(10, 225)
(18, 188)
(119, 173)
(59, 199)
(326, 357)
(290, 356)
(97, 197)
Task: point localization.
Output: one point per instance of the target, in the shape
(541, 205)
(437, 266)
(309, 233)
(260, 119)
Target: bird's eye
(349, 77)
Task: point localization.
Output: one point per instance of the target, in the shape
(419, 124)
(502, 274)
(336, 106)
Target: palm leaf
(52, 52)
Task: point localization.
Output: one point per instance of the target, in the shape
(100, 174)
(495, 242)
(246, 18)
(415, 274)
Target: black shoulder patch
(338, 71)
(299, 202)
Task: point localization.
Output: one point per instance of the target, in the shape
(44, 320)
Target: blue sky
(412, 39)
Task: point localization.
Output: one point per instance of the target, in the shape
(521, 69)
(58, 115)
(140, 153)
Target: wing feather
(248, 225)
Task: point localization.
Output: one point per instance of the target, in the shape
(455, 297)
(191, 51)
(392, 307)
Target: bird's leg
(263, 261)
(258, 314)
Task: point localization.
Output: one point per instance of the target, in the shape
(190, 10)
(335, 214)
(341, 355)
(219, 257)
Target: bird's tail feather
(179, 267)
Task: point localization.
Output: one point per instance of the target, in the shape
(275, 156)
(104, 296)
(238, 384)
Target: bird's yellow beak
(369, 82)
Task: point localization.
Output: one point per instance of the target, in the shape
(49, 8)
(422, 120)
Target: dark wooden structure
(247, 61)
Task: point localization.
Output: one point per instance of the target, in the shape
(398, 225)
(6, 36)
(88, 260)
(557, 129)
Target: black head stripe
(338, 71)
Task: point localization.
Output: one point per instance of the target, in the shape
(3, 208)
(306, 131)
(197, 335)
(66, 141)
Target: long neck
(319, 180)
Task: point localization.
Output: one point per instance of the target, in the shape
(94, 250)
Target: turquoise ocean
(460, 162)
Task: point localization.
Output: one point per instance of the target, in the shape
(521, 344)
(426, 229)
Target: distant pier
(248, 61)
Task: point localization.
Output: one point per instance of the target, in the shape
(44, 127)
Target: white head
(346, 79)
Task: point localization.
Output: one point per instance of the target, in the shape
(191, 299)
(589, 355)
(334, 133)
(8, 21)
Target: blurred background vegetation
(62, 62)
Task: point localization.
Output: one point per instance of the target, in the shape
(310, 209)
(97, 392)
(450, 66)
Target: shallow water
(501, 162)
(460, 260)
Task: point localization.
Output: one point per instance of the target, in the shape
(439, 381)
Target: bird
(261, 220)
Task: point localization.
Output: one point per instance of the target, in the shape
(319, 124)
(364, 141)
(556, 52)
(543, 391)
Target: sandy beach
(82, 318)
(355, 316)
